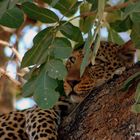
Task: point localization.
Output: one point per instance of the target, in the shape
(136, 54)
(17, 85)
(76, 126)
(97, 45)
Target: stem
(4, 43)
(12, 48)
(3, 72)
(109, 8)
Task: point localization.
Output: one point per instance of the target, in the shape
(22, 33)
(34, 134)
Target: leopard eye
(72, 59)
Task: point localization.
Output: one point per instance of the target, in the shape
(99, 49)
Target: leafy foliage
(12, 18)
(56, 69)
(38, 13)
(114, 37)
(61, 48)
(41, 43)
(71, 31)
(67, 8)
(53, 44)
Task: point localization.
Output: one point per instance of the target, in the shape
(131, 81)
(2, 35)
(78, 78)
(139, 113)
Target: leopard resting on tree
(39, 124)
(111, 59)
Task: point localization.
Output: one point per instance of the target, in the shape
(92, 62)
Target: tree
(108, 112)
(43, 64)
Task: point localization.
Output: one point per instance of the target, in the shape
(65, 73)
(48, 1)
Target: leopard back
(34, 123)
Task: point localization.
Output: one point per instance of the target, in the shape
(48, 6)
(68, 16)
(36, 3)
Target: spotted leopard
(34, 123)
(111, 59)
(38, 124)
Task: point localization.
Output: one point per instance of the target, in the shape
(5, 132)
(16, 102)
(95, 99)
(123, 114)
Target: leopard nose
(73, 82)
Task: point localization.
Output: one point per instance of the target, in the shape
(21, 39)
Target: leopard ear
(129, 45)
(127, 51)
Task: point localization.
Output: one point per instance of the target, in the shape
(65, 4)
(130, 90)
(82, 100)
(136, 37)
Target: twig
(12, 48)
(15, 52)
(119, 6)
(3, 72)
(109, 8)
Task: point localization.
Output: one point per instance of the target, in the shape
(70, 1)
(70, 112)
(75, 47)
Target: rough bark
(106, 113)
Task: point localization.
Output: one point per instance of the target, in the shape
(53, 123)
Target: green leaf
(56, 69)
(114, 37)
(135, 34)
(86, 22)
(38, 13)
(87, 46)
(135, 17)
(61, 48)
(45, 94)
(131, 8)
(94, 4)
(92, 1)
(54, 2)
(129, 81)
(42, 34)
(71, 31)
(29, 87)
(12, 3)
(122, 25)
(137, 94)
(7, 5)
(38, 53)
(22, 1)
(67, 8)
(60, 87)
(136, 108)
(3, 7)
(47, 99)
(48, 1)
(95, 49)
(34, 71)
(12, 18)
(114, 16)
(85, 7)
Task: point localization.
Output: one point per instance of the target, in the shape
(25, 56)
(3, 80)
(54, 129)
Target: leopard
(111, 59)
(43, 124)
(34, 123)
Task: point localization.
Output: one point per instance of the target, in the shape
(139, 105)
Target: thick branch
(105, 113)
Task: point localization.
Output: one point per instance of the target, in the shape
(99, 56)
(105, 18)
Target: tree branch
(3, 72)
(18, 56)
(106, 113)
(12, 48)
(109, 8)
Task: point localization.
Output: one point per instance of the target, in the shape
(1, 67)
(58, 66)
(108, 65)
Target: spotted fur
(111, 59)
(39, 124)
(34, 123)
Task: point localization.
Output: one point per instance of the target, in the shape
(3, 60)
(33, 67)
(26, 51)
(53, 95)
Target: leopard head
(126, 53)
(109, 58)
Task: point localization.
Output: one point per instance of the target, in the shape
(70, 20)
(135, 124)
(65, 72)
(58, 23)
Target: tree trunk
(106, 113)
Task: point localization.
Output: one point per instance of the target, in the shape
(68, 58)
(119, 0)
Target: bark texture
(105, 114)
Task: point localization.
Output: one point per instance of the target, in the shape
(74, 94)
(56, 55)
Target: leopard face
(111, 59)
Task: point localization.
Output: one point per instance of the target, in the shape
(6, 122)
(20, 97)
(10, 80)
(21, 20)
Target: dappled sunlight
(24, 103)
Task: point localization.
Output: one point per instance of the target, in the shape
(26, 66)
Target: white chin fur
(76, 99)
